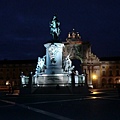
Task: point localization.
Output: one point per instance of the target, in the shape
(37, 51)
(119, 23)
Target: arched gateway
(79, 50)
(73, 46)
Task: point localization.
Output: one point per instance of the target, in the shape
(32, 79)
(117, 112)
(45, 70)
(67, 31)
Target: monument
(53, 69)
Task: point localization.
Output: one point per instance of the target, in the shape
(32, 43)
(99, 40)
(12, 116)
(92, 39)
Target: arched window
(110, 80)
(117, 80)
(117, 72)
(104, 82)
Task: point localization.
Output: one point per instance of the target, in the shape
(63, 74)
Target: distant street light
(94, 77)
(7, 83)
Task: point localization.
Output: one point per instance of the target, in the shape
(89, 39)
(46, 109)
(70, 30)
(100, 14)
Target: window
(103, 66)
(1, 75)
(13, 76)
(110, 73)
(117, 66)
(110, 67)
(103, 73)
(117, 72)
(7, 77)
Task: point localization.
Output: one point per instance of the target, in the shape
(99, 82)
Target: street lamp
(7, 83)
(94, 77)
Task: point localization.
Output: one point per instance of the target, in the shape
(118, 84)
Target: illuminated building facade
(101, 72)
(110, 71)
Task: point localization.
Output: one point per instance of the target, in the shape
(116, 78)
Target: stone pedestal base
(53, 70)
(52, 80)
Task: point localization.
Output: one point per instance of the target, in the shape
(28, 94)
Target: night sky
(24, 25)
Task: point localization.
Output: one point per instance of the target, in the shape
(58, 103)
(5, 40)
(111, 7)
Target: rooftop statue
(54, 28)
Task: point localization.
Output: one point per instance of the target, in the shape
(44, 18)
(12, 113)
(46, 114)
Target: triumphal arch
(80, 50)
(75, 48)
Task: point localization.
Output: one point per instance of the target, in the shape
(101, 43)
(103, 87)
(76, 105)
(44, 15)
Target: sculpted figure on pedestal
(40, 65)
(54, 28)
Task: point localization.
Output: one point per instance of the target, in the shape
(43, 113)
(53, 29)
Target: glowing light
(94, 97)
(94, 77)
(7, 82)
(95, 92)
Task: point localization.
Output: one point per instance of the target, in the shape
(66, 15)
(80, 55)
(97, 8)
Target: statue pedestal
(54, 58)
(52, 80)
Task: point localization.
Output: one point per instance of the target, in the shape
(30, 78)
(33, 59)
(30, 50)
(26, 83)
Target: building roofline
(17, 61)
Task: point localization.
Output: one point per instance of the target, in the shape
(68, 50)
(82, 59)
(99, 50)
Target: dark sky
(24, 25)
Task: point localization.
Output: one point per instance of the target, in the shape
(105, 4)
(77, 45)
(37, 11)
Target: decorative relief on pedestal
(52, 50)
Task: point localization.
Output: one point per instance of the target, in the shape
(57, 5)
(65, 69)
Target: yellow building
(110, 71)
